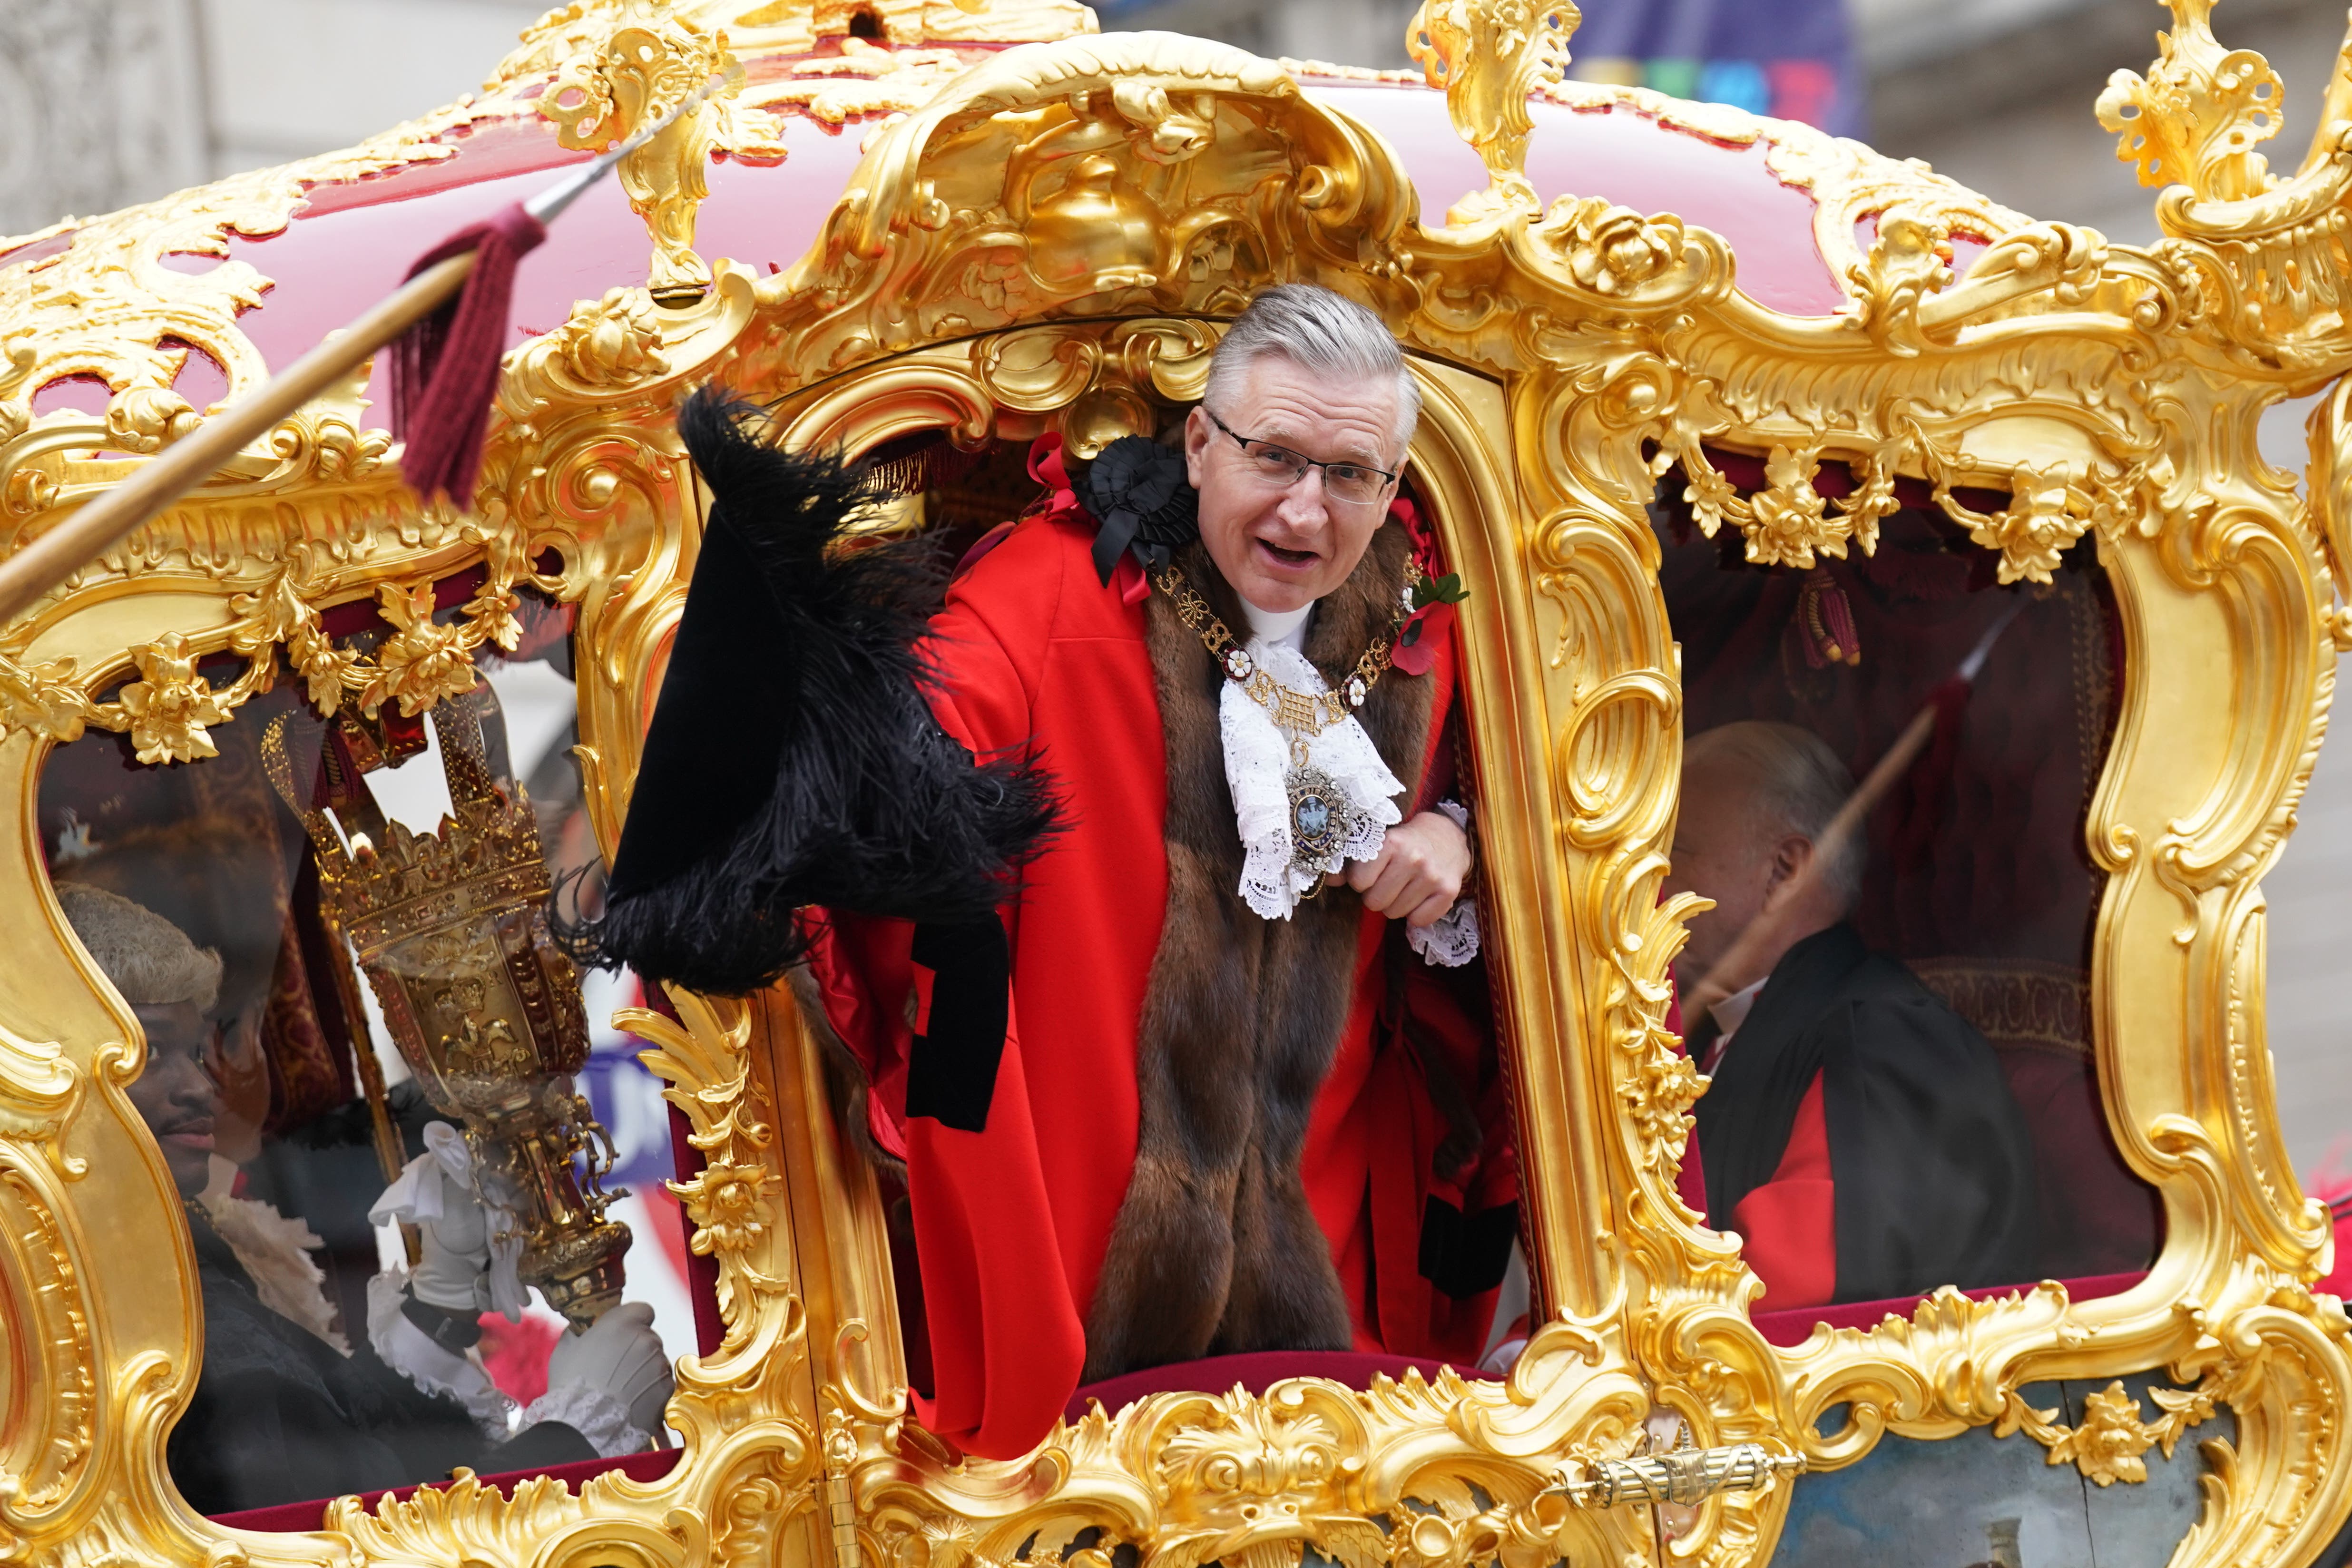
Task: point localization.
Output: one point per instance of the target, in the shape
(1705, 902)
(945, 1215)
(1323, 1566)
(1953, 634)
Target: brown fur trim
(1215, 1248)
(844, 1075)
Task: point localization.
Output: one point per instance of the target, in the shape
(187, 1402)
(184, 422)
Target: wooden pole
(105, 522)
(1729, 972)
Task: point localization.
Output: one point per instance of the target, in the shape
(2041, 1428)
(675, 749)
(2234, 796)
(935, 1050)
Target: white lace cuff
(594, 1414)
(406, 1349)
(1450, 941)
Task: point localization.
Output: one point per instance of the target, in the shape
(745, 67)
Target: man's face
(174, 1094)
(1719, 854)
(1283, 547)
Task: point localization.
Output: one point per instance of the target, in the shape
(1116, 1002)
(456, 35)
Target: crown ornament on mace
(450, 929)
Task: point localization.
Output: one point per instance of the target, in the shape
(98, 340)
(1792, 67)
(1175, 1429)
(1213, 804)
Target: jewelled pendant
(1318, 816)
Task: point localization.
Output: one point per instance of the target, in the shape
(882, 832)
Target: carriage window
(1364, 1219)
(1896, 1021)
(421, 1182)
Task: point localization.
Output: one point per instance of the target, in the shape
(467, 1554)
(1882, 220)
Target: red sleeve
(987, 646)
(1007, 1340)
(1789, 1225)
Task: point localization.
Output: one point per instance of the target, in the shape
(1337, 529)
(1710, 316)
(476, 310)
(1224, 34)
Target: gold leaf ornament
(43, 698)
(1489, 56)
(1792, 521)
(170, 704)
(2111, 1443)
(1612, 250)
(279, 613)
(614, 341)
(148, 418)
(2038, 525)
(2198, 115)
(648, 60)
(423, 661)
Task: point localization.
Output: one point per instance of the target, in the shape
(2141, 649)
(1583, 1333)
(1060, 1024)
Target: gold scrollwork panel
(585, 497)
(94, 1370)
(1186, 1477)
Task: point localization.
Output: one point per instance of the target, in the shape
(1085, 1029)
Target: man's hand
(1419, 872)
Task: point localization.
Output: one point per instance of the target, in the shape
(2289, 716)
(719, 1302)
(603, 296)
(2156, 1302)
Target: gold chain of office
(1297, 713)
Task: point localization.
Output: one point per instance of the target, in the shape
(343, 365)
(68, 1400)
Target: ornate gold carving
(170, 704)
(610, 344)
(862, 79)
(782, 29)
(1089, 175)
(1045, 242)
(1236, 1478)
(752, 1395)
(450, 929)
(2107, 1446)
(729, 1201)
(1488, 56)
(49, 1454)
(104, 306)
(2198, 115)
(643, 66)
(169, 708)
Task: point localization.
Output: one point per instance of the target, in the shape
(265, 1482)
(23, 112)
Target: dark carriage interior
(1978, 878)
(955, 497)
(312, 1111)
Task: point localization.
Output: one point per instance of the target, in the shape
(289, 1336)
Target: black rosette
(1141, 500)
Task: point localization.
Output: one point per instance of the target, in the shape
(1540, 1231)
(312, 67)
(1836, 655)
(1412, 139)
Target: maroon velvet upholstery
(2098, 1219)
(311, 1515)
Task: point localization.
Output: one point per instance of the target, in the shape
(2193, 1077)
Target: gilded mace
(450, 929)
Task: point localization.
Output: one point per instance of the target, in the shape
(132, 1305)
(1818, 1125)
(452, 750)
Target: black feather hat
(793, 759)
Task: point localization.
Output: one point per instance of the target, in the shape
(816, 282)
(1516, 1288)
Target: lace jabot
(1257, 764)
(1257, 760)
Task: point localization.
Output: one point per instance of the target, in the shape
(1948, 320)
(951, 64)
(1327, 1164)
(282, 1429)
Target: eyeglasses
(1351, 484)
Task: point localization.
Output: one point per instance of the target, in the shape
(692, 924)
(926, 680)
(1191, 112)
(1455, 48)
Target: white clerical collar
(1732, 1012)
(1270, 626)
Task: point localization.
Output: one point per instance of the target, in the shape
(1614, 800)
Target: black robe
(279, 1416)
(1932, 1163)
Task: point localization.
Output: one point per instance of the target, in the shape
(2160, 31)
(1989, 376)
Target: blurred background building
(105, 102)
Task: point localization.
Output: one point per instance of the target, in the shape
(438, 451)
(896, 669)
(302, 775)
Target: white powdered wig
(150, 961)
(1319, 330)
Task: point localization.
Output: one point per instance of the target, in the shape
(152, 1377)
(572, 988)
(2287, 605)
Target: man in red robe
(1857, 1133)
(1187, 1083)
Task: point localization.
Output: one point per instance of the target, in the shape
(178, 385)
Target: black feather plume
(793, 760)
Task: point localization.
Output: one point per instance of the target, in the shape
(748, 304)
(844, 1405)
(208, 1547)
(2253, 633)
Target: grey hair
(1796, 785)
(1318, 330)
(147, 958)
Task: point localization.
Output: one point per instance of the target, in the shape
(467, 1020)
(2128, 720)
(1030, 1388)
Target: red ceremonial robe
(1011, 1222)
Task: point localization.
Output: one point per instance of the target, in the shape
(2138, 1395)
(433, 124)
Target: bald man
(1857, 1133)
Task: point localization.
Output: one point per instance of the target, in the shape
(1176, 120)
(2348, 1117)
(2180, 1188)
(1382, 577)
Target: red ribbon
(1046, 467)
(444, 370)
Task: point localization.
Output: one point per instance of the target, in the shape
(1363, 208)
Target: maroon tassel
(1825, 622)
(444, 369)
